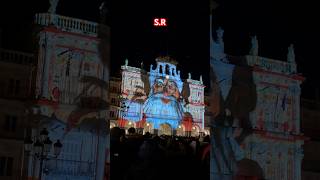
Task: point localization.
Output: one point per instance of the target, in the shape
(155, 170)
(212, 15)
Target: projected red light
(159, 22)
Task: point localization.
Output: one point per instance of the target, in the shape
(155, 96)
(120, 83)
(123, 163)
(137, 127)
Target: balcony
(67, 23)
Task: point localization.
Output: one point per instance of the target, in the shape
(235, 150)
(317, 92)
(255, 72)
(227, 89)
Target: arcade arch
(181, 130)
(147, 128)
(195, 130)
(206, 132)
(129, 124)
(112, 125)
(165, 129)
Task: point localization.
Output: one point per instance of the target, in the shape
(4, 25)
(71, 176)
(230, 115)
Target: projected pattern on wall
(161, 96)
(256, 107)
(70, 87)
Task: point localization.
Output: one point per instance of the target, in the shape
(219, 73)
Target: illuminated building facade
(71, 98)
(259, 121)
(159, 101)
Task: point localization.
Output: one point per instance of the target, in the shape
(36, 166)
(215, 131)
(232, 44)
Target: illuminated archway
(195, 130)
(147, 128)
(112, 125)
(165, 129)
(180, 130)
(130, 124)
(206, 132)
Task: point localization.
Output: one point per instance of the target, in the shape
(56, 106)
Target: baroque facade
(158, 101)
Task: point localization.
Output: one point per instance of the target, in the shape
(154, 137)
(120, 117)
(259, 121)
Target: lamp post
(123, 108)
(42, 147)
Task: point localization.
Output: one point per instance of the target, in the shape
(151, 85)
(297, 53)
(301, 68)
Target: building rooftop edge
(66, 23)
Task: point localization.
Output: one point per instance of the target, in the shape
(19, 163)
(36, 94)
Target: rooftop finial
(201, 79)
(291, 55)
(189, 75)
(126, 62)
(103, 7)
(217, 47)
(53, 6)
(103, 11)
(254, 46)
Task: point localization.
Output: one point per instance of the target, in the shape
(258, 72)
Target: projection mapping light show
(160, 97)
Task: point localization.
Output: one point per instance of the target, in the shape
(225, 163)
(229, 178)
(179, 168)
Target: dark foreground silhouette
(151, 157)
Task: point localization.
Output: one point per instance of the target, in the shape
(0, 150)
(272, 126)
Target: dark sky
(185, 38)
(276, 23)
(133, 34)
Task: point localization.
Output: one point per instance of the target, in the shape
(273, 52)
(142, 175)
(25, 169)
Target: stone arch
(112, 125)
(181, 130)
(195, 130)
(165, 128)
(206, 132)
(147, 127)
(130, 124)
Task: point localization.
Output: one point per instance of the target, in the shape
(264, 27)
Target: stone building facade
(71, 97)
(136, 90)
(255, 107)
(17, 70)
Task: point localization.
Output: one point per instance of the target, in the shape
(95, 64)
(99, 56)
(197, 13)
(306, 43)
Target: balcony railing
(67, 23)
(272, 65)
(16, 57)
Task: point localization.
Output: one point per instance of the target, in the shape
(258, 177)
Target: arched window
(167, 69)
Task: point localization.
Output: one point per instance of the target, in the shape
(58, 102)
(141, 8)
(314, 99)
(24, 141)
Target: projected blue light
(163, 104)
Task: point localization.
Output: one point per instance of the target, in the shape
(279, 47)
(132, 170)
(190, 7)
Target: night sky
(276, 24)
(185, 38)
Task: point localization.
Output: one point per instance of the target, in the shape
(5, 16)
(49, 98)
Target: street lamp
(44, 134)
(47, 146)
(123, 108)
(42, 147)
(28, 144)
(57, 148)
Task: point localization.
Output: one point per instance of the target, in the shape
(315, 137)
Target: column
(140, 130)
(46, 64)
(174, 132)
(297, 107)
(188, 133)
(163, 67)
(157, 69)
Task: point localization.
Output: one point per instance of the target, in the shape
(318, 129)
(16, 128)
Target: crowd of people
(152, 157)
